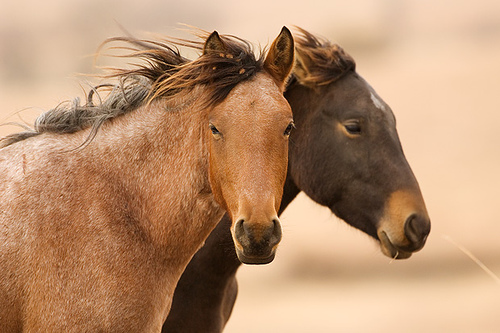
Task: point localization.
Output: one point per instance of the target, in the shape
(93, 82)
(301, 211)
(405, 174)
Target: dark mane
(159, 72)
(319, 62)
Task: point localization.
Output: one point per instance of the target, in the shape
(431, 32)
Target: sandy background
(437, 63)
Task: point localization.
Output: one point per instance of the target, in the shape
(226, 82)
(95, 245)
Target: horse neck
(158, 155)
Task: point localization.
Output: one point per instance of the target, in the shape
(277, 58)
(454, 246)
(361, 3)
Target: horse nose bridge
(266, 165)
(402, 205)
(259, 201)
(259, 184)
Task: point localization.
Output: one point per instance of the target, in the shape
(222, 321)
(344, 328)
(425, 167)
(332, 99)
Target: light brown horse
(94, 237)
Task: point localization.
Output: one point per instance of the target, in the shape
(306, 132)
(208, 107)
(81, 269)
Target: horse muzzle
(256, 243)
(401, 245)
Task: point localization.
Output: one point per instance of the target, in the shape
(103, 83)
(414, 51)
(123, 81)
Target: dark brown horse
(344, 154)
(94, 237)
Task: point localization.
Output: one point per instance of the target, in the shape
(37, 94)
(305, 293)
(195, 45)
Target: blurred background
(436, 63)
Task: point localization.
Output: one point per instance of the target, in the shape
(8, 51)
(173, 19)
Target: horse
(344, 154)
(104, 204)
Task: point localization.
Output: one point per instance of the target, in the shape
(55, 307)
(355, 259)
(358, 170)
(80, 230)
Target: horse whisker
(473, 258)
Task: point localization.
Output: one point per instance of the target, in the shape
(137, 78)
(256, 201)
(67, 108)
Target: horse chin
(391, 250)
(251, 260)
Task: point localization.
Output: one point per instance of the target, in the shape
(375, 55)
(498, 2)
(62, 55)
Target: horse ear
(280, 58)
(214, 44)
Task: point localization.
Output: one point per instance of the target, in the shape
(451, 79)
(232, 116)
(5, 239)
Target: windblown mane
(319, 62)
(160, 72)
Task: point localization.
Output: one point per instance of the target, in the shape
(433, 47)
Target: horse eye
(353, 128)
(214, 129)
(289, 129)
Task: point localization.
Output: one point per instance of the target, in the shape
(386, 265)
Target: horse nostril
(276, 233)
(417, 229)
(239, 228)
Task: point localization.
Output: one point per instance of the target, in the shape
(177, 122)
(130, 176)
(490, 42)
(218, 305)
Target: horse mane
(160, 71)
(319, 62)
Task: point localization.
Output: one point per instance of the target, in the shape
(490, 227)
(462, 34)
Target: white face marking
(377, 102)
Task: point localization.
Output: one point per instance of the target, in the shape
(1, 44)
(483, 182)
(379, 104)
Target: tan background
(437, 63)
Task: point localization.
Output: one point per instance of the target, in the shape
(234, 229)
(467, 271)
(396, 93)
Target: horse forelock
(319, 62)
(160, 72)
(220, 72)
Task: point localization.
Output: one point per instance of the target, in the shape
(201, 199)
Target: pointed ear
(214, 44)
(280, 58)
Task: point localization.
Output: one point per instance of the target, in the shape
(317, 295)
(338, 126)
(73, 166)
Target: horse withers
(104, 205)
